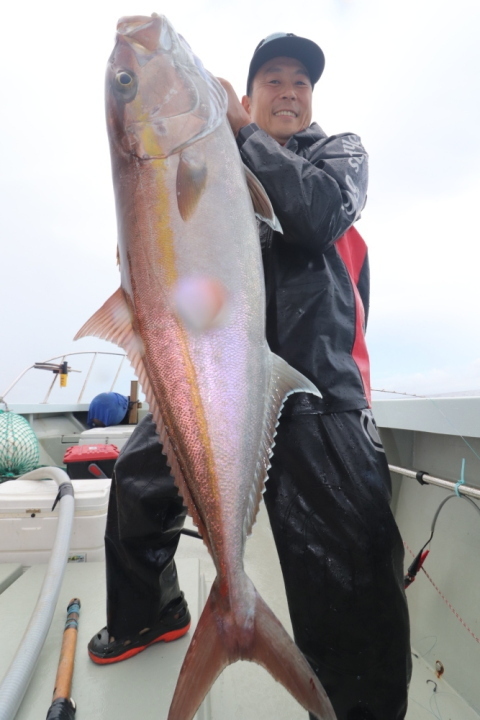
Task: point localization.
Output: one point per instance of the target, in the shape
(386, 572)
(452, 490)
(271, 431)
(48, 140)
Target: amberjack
(190, 314)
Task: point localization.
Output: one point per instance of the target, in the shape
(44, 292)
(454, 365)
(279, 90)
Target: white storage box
(28, 526)
(113, 435)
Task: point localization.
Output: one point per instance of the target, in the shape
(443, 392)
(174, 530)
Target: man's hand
(236, 113)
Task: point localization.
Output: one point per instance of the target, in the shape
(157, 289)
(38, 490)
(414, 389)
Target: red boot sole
(167, 637)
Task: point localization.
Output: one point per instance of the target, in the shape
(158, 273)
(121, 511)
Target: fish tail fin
(206, 657)
(275, 650)
(219, 642)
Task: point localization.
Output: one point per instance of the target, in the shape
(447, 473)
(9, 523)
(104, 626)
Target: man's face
(281, 98)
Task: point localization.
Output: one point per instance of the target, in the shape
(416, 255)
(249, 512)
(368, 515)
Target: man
(329, 487)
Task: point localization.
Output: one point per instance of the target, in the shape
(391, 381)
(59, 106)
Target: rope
(445, 600)
(462, 479)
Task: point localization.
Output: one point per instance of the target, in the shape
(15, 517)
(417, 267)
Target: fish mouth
(145, 32)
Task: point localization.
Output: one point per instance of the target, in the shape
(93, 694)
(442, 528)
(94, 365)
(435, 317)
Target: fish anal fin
(284, 380)
(191, 181)
(261, 202)
(287, 380)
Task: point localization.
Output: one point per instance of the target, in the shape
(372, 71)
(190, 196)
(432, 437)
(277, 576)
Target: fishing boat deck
(143, 686)
(433, 435)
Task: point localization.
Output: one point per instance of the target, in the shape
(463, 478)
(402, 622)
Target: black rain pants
(340, 551)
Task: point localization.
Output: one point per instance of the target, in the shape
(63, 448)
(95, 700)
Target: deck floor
(143, 686)
(244, 687)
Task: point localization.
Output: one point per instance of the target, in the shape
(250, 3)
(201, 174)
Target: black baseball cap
(287, 45)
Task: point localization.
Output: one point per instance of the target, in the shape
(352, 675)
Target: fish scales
(190, 314)
(194, 382)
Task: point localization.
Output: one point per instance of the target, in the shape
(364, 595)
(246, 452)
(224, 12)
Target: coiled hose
(19, 674)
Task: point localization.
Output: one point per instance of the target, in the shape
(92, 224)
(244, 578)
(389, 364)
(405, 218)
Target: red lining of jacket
(352, 249)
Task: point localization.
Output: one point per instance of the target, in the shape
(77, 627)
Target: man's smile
(281, 98)
(288, 113)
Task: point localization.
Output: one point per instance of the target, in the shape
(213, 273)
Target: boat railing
(60, 368)
(425, 479)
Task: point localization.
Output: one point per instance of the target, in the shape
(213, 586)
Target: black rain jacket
(316, 272)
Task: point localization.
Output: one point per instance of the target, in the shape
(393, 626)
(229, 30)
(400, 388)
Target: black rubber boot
(174, 622)
(145, 517)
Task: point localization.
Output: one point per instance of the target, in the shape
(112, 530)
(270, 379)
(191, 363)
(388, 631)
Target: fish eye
(124, 78)
(125, 85)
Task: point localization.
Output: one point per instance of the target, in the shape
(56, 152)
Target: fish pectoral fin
(284, 380)
(191, 181)
(113, 322)
(261, 202)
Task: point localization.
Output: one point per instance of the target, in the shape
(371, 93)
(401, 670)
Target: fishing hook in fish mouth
(433, 683)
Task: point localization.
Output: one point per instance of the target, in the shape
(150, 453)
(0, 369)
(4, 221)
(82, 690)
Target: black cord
(191, 533)
(420, 556)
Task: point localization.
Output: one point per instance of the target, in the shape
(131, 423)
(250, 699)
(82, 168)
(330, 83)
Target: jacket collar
(306, 137)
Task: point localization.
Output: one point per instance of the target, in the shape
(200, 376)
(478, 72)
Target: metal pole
(50, 389)
(118, 373)
(57, 357)
(14, 383)
(88, 375)
(430, 480)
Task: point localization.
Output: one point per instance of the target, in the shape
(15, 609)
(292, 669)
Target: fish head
(159, 97)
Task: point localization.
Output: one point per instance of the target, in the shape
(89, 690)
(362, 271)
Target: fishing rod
(63, 706)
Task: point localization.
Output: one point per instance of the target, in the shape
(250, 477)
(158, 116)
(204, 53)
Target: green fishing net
(19, 450)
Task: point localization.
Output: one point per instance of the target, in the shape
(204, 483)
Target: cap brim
(308, 52)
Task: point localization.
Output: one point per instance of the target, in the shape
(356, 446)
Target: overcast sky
(404, 76)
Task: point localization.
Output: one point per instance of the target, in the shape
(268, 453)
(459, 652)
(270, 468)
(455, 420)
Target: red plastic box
(90, 461)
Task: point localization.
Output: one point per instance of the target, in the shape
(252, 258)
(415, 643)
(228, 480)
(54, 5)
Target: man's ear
(246, 104)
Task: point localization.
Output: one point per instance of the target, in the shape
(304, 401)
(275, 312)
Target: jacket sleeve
(317, 197)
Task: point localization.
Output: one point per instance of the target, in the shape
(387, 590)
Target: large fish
(190, 313)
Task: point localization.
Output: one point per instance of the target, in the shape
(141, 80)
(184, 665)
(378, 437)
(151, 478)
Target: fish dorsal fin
(169, 452)
(113, 322)
(284, 381)
(261, 202)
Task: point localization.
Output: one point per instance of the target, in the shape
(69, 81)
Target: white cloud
(436, 380)
(399, 74)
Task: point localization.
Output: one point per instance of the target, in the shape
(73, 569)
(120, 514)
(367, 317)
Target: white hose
(19, 674)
